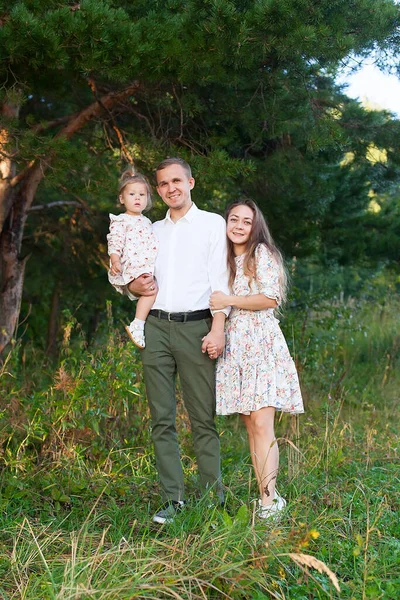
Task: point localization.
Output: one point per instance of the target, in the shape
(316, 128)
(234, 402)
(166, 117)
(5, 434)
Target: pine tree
(230, 84)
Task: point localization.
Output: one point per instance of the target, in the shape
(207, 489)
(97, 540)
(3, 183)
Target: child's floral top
(132, 238)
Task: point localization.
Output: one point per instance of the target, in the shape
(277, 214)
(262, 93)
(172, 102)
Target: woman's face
(238, 227)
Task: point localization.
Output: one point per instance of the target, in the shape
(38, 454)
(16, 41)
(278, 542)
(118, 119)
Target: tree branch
(121, 143)
(80, 119)
(22, 174)
(93, 110)
(49, 124)
(53, 204)
(78, 199)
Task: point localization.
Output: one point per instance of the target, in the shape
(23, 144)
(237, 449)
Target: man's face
(174, 186)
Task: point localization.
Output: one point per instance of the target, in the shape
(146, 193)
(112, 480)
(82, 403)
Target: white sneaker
(271, 511)
(136, 333)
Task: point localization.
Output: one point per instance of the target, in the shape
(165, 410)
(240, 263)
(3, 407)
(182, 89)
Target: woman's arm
(219, 300)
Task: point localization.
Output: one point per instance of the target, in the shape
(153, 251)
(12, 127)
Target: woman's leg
(247, 421)
(265, 451)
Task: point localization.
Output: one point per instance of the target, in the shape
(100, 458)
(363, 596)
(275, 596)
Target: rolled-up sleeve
(267, 273)
(217, 263)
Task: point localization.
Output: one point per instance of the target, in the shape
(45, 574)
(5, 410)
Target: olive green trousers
(175, 348)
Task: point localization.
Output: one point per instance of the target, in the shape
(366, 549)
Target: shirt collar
(190, 215)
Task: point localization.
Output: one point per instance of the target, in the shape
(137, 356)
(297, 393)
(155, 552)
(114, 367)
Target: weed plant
(78, 483)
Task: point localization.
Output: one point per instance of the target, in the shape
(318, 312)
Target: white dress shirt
(191, 260)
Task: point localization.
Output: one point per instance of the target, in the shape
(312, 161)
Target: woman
(255, 375)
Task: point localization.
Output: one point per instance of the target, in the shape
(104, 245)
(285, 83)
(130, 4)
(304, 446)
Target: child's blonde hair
(130, 175)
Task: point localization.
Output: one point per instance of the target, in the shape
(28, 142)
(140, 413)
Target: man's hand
(213, 343)
(212, 351)
(144, 285)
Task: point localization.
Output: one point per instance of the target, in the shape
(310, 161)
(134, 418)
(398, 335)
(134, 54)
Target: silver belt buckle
(169, 319)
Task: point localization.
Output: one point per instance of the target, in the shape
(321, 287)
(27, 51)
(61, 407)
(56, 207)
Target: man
(191, 263)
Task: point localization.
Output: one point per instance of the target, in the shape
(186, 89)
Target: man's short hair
(174, 160)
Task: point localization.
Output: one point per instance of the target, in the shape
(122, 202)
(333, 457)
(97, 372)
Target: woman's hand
(212, 351)
(219, 300)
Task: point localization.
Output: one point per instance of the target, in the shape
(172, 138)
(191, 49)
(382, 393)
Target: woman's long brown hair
(259, 234)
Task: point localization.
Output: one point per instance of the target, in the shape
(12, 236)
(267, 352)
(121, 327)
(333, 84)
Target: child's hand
(219, 300)
(115, 267)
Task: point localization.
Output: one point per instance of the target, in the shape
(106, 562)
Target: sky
(369, 83)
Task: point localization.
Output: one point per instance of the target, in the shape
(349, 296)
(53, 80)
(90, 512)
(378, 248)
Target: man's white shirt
(191, 260)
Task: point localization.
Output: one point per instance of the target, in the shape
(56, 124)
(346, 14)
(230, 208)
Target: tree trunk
(12, 265)
(16, 196)
(11, 294)
(7, 165)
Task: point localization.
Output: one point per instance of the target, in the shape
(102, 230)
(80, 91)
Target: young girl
(132, 246)
(256, 374)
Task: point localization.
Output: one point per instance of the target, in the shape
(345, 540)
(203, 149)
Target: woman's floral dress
(256, 369)
(132, 238)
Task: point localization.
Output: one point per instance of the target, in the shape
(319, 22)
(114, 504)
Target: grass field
(78, 485)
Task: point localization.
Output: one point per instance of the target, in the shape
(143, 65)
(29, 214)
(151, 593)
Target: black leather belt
(182, 317)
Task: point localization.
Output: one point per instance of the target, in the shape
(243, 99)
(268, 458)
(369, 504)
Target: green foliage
(96, 400)
(243, 90)
(76, 505)
(335, 343)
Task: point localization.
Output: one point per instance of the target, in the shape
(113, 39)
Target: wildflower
(314, 534)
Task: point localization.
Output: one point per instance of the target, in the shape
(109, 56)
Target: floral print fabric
(256, 369)
(132, 238)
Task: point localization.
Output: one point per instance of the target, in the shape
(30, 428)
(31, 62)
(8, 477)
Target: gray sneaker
(168, 511)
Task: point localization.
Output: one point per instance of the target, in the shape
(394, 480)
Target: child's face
(238, 227)
(134, 198)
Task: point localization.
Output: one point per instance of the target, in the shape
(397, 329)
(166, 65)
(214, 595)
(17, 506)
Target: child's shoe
(136, 333)
(272, 510)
